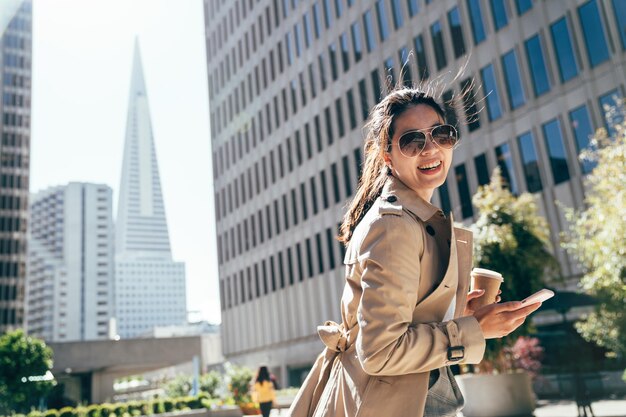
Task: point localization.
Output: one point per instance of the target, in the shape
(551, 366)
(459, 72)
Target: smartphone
(539, 296)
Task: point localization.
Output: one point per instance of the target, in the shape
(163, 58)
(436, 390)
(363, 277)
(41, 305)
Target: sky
(82, 59)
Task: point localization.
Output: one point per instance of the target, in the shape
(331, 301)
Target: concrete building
(69, 291)
(150, 286)
(290, 86)
(15, 64)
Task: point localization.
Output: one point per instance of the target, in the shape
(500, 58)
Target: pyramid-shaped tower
(149, 285)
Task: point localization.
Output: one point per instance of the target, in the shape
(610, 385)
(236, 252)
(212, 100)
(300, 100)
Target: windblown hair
(379, 133)
(379, 129)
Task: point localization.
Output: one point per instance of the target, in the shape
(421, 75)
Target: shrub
(135, 408)
(120, 408)
(35, 413)
(93, 411)
(168, 405)
(51, 413)
(68, 412)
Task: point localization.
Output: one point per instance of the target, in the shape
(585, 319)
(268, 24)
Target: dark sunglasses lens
(445, 136)
(412, 143)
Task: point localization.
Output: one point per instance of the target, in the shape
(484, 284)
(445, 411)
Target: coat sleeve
(387, 343)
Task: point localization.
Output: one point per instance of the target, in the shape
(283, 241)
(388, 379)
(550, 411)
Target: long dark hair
(263, 374)
(378, 142)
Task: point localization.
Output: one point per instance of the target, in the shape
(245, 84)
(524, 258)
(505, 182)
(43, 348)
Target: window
(469, 104)
(413, 7)
(332, 53)
(440, 53)
(444, 197)
(376, 84)
(482, 171)
(456, 32)
(490, 92)
(327, 13)
(593, 30)
(356, 41)
(619, 7)
(305, 211)
(363, 99)
(389, 69)
(320, 61)
(324, 189)
(420, 55)
(320, 253)
(498, 10)
(562, 41)
(607, 106)
(312, 80)
(513, 81)
(294, 206)
(306, 24)
(398, 20)
(381, 15)
(339, 116)
(370, 38)
(351, 109)
(330, 245)
(345, 57)
(583, 129)
(297, 36)
(556, 151)
(448, 109)
(523, 6)
(335, 177)
(309, 256)
(329, 125)
(530, 162)
(464, 192)
(316, 20)
(288, 47)
(403, 54)
(346, 175)
(476, 17)
(338, 8)
(537, 65)
(505, 162)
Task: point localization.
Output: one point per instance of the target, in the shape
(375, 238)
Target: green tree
(512, 238)
(210, 383)
(596, 236)
(23, 360)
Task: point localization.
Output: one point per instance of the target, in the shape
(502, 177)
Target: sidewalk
(564, 408)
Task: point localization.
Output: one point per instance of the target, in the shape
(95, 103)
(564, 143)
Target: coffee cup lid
(487, 273)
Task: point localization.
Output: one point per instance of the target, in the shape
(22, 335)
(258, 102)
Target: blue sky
(82, 56)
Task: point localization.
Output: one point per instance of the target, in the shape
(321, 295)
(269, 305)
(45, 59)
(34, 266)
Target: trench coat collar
(408, 199)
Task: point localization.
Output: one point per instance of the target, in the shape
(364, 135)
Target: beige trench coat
(377, 361)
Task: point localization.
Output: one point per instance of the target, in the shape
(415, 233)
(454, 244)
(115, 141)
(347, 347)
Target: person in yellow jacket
(263, 391)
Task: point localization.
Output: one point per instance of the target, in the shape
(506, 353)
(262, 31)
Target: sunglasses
(413, 142)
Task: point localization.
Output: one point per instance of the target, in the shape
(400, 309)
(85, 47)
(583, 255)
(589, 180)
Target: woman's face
(428, 170)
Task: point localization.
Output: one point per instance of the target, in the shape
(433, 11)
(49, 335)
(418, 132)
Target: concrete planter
(501, 395)
(226, 412)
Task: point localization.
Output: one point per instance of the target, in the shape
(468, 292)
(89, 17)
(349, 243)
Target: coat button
(392, 199)
(430, 230)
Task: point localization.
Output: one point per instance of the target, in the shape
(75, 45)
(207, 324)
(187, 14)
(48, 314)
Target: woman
(263, 391)
(406, 311)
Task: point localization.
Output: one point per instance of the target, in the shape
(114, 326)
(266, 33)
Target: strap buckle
(456, 353)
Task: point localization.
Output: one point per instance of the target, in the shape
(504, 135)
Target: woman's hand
(498, 320)
(470, 305)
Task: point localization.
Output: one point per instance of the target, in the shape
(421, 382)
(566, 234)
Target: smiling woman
(406, 311)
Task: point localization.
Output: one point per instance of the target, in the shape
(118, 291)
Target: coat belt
(334, 336)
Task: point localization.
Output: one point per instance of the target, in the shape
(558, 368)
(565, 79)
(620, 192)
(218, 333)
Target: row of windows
(14, 139)
(15, 80)
(537, 67)
(305, 259)
(18, 120)
(294, 206)
(555, 148)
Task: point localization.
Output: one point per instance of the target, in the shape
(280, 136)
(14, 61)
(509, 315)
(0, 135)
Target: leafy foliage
(512, 238)
(21, 359)
(239, 380)
(596, 236)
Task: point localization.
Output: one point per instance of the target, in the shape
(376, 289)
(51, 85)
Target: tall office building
(69, 290)
(16, 44)
(150, 286)
(290, 86)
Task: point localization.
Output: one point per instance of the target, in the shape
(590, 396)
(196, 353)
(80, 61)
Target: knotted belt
(334, 336)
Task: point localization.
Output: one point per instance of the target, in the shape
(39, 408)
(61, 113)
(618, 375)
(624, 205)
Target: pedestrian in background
(264, 391)
(406, 311)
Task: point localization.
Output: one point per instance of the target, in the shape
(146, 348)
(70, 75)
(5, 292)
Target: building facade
(15, 64)
(69, 291)
(150, 286)
(290, 86)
